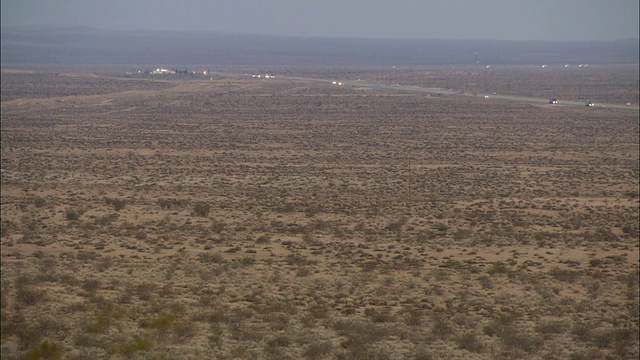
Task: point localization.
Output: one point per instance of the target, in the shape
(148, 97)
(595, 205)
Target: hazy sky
(432, 19)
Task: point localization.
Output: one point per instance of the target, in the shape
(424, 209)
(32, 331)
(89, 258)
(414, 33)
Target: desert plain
(213, 217)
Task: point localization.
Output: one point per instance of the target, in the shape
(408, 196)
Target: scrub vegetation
(168, 217)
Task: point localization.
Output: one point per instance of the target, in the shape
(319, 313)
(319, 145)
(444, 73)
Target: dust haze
(546, 20)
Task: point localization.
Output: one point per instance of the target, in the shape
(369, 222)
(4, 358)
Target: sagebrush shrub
(45, 350)
(201, 209)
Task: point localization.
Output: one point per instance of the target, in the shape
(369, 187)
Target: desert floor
(192, 217)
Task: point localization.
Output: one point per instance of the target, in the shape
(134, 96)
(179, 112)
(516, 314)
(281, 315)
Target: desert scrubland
(610, 84)
(168, 217)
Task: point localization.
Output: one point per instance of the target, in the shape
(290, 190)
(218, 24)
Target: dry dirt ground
(189, 218)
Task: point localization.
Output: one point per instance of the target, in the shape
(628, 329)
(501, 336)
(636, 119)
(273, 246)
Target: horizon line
(343, 37)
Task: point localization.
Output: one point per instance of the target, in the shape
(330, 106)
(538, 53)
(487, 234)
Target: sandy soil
(188, 218)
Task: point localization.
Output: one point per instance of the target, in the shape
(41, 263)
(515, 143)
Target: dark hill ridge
(88, 46)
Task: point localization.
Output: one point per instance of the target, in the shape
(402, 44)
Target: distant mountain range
(89, 46)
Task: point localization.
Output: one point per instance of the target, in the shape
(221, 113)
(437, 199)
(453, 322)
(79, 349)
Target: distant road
(441, 92)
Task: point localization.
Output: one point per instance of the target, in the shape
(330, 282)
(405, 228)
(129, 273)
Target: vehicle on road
(553, 100)
(589, 103)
